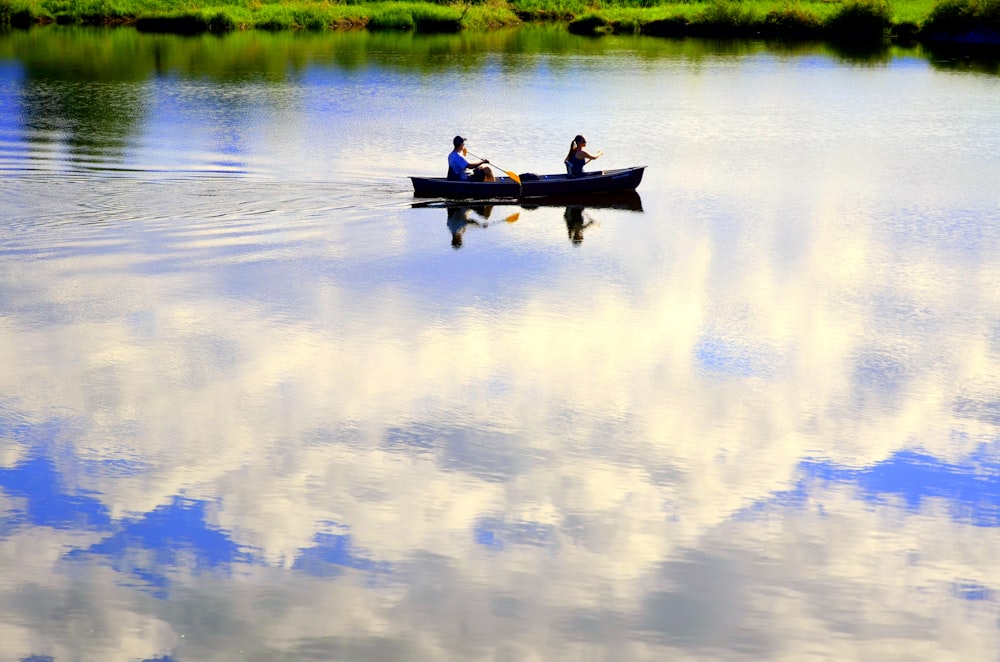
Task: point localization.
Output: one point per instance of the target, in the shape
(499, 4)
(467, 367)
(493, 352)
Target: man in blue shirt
(459, 164)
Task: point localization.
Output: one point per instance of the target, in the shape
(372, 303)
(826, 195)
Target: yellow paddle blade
(513, 175)
(513, 217)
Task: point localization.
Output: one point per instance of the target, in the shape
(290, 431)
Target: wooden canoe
(544, 186)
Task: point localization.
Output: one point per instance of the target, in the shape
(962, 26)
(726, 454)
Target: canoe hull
(546, 186)
(624, 200)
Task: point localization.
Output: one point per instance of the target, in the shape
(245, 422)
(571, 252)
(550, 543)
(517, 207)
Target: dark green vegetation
(867, 21)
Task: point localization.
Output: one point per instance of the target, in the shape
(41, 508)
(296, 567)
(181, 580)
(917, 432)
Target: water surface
(256, 403)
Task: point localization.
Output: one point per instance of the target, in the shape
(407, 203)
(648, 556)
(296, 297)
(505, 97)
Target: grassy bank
(954, 21)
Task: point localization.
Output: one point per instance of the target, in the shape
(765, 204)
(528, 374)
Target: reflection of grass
(850, 20)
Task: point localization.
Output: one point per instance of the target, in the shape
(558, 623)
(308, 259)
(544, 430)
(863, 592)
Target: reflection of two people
(459, 218)
(576, 223)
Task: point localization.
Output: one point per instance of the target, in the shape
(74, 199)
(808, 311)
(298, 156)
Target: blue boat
(531, 186)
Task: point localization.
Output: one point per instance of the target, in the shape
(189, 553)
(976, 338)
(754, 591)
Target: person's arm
(470, 164)
(591, 157)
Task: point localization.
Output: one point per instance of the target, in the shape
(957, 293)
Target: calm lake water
(256, 405)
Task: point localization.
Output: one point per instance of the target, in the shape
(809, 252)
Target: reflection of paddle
(510, 219)
(512, 175)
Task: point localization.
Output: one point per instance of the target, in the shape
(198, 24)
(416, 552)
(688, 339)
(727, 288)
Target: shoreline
(963, 25)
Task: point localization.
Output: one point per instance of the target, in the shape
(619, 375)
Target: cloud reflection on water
(756, 422)
(640, 493)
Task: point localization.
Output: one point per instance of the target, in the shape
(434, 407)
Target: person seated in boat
(578, 157)
(459, 164)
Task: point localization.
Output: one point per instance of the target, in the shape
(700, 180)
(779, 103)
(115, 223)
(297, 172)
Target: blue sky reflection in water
(255, 405)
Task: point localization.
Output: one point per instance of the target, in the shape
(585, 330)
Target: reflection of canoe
(605, 181)
(627, 200)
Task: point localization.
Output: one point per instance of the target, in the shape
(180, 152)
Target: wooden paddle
(512, 175)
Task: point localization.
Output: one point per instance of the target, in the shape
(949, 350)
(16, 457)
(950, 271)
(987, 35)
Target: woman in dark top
(579, 157)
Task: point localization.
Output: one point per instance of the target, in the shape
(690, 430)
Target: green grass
(849, 20)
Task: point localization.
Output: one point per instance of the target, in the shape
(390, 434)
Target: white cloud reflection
(616, 467)
(758, 421)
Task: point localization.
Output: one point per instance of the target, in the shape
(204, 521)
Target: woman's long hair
(575, 145)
